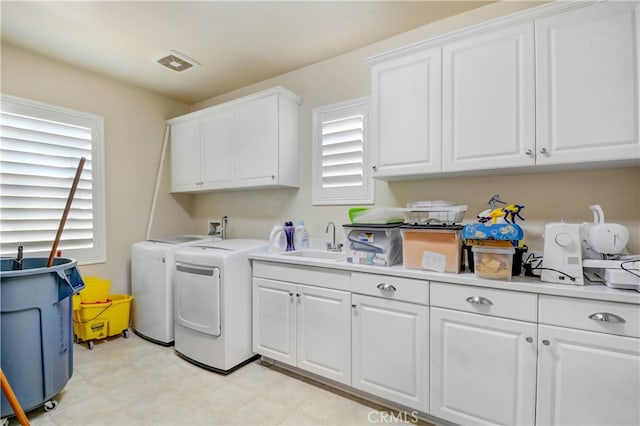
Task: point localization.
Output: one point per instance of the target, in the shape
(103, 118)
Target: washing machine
(213, 303)
(152, 271)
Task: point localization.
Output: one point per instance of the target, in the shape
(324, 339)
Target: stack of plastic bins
(98, 314)
(37, 348)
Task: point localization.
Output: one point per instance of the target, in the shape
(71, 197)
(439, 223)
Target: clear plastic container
(374, 244)
(494, 263)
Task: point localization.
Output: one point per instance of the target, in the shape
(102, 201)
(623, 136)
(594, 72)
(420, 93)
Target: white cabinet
(250, 142)
(587, 378)
(488, 100)
(483, 367)
(185, 156)
(557, 86)
(304, 326)
(391, 350)
(406, 117)
(589, 362)
(588, 84)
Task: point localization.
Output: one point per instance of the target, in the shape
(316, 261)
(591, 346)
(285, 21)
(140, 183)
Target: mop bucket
(97, 314)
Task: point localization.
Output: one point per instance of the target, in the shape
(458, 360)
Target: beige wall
(547, 197)
(134, 131)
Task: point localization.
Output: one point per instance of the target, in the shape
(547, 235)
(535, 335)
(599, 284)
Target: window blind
(39, 155)
(342, 152)
(340, 171)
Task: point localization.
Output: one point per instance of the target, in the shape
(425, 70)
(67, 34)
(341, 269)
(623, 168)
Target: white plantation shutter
(340, 162)
(40, 148)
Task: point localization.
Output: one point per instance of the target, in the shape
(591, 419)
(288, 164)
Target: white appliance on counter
(213, 303)
(152, 270)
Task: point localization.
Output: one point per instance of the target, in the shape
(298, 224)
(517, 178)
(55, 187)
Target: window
(40, 148)
(341, 173)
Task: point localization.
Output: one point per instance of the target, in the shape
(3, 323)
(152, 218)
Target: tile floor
(133, 382)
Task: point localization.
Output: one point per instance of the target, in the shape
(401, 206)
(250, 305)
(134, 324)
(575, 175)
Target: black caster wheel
(50, 405)
(125, 334)
(90, 345)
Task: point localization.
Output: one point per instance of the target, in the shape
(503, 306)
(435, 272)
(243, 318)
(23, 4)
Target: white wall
(134, 131)
(547, 197)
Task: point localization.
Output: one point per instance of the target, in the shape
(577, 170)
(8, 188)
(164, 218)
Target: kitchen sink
(317, 254)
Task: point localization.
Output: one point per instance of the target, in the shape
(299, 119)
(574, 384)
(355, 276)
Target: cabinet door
(185, 156)
(217, 156)
(324, 332)
(587, 378)
(488, 100)
(274, 320)
(257, 142)
(391, 350)
(483, 369)
(588, 84)
(406, 118)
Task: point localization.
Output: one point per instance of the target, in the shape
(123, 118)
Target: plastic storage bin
(374, 244)
(97, 315)
(433, 248)
(37, 345)
(494, 263)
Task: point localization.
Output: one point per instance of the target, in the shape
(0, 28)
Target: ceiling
(237, 43)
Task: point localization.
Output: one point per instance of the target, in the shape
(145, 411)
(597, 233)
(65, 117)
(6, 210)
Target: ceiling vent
(176, 61)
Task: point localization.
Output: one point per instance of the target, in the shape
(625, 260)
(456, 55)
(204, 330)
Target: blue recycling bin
(37, 332)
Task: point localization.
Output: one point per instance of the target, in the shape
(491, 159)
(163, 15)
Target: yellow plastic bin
(97, 314)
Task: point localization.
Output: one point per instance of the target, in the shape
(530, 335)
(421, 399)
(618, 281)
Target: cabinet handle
(374, 168)
(479, 300)
(297, 294)
(529, 339)
(546, 342)
(354, 306)
(606, 317)
(528, 152)
(386, 287)
(290, 294)
(543, 150)
(273, 177)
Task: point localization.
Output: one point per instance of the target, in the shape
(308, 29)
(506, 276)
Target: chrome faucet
(332, 245)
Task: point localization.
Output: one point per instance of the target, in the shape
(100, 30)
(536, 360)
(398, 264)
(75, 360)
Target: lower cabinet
(483, 368)
(391, 350)
(304, 326)
(588, 362)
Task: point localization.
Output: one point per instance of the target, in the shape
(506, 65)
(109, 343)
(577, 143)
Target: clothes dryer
(213, 303)
(152, 271)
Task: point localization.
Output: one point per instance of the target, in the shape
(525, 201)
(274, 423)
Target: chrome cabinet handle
(290, 294)
(386, 287)
(606, 317)
(528, 152)
(529, 339)
(354, 306)
(479, 300)
(543, 150)
(546, 342)
(374, 168)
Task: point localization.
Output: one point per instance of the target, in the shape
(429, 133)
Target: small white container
(494, 263)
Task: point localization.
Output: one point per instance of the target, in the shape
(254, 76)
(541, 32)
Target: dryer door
(197, 301)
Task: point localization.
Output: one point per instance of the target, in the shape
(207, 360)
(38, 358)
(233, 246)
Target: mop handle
(13, 401)
(67, 207)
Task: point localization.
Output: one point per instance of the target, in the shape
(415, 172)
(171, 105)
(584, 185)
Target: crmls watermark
(384, 417)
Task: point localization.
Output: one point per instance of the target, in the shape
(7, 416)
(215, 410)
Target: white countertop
(521, 283)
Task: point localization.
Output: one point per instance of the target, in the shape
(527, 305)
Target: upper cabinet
(557, 86)
(406, 94)
(488, 100)
(250, 142)
(588, 85)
